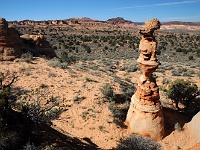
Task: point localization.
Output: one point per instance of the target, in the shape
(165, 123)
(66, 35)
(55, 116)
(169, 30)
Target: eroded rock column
(145, 115)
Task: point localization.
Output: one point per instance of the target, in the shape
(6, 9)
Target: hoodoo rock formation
(10, 42)
(145, 115)
(12, 45)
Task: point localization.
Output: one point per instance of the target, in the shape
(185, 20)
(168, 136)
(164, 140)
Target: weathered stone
(12, 45)
(10, 42)
(3, 26)
(145, 113)
(38, 45)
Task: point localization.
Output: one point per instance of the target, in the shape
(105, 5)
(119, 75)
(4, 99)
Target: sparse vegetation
(56, 62)
(27, 57)
(17, 120)
(119, 112)
(84, 54)
(137, 142)
(107, 92)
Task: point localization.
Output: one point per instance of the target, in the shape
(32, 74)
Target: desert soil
(90, 117)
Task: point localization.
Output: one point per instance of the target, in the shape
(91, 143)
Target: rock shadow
(51, 136)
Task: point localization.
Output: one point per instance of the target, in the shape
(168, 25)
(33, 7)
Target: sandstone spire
(145, 115)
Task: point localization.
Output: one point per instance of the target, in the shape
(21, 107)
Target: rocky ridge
(117, 22)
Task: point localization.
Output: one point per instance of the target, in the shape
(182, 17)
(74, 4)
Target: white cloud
(160, 4)
(188, 18)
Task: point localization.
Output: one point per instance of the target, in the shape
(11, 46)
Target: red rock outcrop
(38, 45)
(145, 115)
(12, 45)
(10, 42)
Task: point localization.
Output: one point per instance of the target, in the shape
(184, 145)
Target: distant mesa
(12, 45)
(85, 21)
(119, 21)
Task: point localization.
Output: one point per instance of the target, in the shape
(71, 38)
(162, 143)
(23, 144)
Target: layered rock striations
(10, 42)
(145, 115)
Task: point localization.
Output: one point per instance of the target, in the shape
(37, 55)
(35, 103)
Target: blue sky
(134, 10)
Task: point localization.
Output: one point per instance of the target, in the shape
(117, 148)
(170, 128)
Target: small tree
(181, 91)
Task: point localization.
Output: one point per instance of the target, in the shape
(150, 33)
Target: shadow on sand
(50, 136)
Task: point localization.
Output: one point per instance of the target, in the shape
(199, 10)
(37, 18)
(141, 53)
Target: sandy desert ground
(86, 114)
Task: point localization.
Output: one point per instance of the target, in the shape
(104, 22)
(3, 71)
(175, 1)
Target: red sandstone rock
(145, 113)
(41, 45)
(10, 42)
(12, 45)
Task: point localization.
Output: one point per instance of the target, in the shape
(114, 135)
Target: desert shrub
(38, 107)
(181, 91)
(165, 81)
(90, 80)
(188, 73)
(119, 112)
(128, 90)
(190, 57)
(137, 142)
(107, 91)
(78, 99)
(64, 57)
(56, 62)
(27, 57)
(13, 129)
(176, 73)
(31, 146)
(6, 80)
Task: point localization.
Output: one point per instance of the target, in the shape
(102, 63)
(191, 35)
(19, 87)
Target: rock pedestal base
(145, 120)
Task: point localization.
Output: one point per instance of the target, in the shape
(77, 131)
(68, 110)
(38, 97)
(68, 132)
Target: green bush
(181, 91)
(38, 113)
(64, 57)
(137, 142)
(119, 112)
(56, 62)
(107, 92)
(27, 57)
